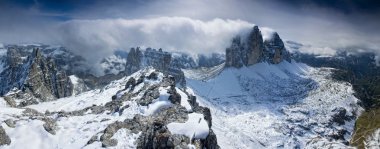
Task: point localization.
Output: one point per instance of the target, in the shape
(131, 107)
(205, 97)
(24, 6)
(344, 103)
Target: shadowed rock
(253, 49)
(4, 138)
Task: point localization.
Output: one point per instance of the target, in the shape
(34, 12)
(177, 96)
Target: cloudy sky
(97, 27)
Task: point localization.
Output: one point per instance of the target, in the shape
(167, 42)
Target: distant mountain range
(257, 94)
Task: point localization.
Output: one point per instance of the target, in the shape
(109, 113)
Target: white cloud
(97, 38)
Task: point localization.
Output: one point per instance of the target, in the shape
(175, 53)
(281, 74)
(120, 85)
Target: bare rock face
(36, 76)
(276, 50)
(134, 60)
(234, 56)
(253, 49)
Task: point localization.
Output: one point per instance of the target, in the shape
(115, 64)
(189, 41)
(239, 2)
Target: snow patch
(74, 79)
(195, 127)
(184, 100)
(373, 141)
(157, 104)
(125, 139)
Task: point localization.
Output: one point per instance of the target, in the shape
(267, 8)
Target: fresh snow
(195, 127)
(288, 105)
(3, 103)
(75, 131)
(74, 79)
(203, 73)
(373, 141)
(157, 104)
(184, 100)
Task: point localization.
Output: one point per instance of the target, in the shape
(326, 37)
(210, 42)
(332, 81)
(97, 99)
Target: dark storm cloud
(344, 6)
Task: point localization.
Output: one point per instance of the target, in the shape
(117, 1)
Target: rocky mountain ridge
(158, 59)
(34, 77)
(146, 110)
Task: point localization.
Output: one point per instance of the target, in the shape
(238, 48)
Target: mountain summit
(253, 49)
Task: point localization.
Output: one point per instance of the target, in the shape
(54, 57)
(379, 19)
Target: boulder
(10, 123)
(50, 125)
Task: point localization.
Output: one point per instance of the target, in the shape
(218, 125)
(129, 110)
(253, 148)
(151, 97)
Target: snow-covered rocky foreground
(288, 105)
(144, 109)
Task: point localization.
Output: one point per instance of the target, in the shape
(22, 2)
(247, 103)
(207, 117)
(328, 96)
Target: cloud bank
(97, 38)
(96, 28)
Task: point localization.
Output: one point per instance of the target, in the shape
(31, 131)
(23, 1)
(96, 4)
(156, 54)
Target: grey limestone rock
(253, 49)
(37, 76)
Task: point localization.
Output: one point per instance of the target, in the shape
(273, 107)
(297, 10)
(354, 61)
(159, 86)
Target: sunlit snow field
(269, 106)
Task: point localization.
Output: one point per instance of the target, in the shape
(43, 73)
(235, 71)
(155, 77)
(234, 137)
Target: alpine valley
(259, 93)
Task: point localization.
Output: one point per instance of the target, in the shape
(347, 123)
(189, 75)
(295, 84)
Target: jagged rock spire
(36, 76)
(253, 49)
(276, 49)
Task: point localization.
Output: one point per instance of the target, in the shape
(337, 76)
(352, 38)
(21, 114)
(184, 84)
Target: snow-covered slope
(123, 114)
(203, 73)
(288, 105)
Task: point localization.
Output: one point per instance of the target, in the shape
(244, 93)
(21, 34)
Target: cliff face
(158, 59)
(253, 49)
(35, 75)
(276, 49)
(134, 61)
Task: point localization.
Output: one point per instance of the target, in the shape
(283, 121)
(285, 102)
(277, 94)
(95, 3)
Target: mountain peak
(38, 78)
(253, 49)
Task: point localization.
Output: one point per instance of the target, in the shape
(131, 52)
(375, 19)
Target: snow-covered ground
(195, 127)
(373, 141)
(203, 73)
(76, 131)
(73, 131)
(288, 105)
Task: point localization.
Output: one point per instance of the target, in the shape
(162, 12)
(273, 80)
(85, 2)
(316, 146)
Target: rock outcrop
(276, 50)
(4, 138)
(37, 76)
(153, 127)
(253, 49)
(157, 59)
(134, 61)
